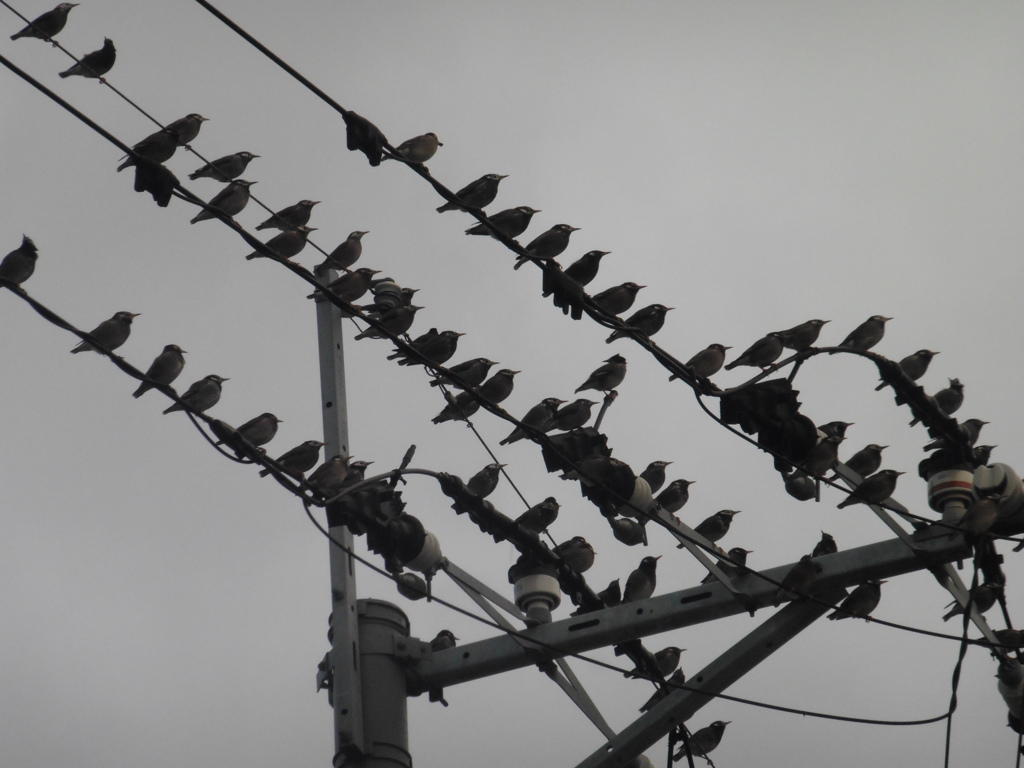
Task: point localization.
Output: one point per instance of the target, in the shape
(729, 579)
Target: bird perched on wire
(836, 429)
(677, 679)
(438, 348)
(224, 168)
(538, 517)
(981, 515)
(914, 366)
(287, 244)
(260, 430)
(577, 553)
(573, 415)
(866, 461)
(798, 579)
(861, 602)
(611, 595)
(229, 201)
(826, 546)
(187, 128)
(874, 489)
(483, 483)
(823, 456)
(348, 253)
(95, 64)
(164, 369)
(397, 321)
(801, 337)
(715, 527)
(607, 377)
(201, 395)
(350, 287)
(969, 430)
(356, 472)
(948, 400)
(654, 474)
(110, 334)
(497, 388)
(584, 269)
(471, 373)
(476, 194)
(675, 495)
(290, 217)
(418, 149)
(708, 361)
(666, 660)
(618, 298)
(983, 597)
(157, 147)
(704, 740)
(541, 418)
(761, 353)
(737, 566)
(866, 335)
(19, 264)
(329, 478)
(548, 245)
(46, 26)
(647, 321)
(642, 582)
(298, 460)
(459, 408)
(511, 222)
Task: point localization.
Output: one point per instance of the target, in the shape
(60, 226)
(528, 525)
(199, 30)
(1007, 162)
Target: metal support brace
(680, 705)
(472, 584)
(685, 535)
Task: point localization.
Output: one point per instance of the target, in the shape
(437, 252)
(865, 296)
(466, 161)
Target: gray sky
(754, 164)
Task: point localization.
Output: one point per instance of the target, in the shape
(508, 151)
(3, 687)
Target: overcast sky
(754, 164)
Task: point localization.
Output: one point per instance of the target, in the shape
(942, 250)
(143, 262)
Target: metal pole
(346, 687)
(383, 638)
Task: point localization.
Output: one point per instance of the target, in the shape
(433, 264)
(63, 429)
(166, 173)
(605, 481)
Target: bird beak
(135, 314)
(315, 202)
(457, 334)
(441, 144)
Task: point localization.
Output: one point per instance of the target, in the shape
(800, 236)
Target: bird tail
(520, 261)
(733, 364)
(143, 389)
(880, 387)
(194, 176)
(264, 225)
(65, 74)
(252, 256)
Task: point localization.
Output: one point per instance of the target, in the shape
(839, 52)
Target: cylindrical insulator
(537, 594)
(953, 485)
(641, 501)
(429, 557)
(1011, 686)
(1000, 480)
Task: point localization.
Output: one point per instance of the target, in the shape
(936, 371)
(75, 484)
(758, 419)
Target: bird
(836, 429)
(459, 408)
(483, 483)
(187, 128)
(822, 457)
(826, 546)
(438, 348)
(164, 369)
(329, 478)
(715, 527)
(607, 377)
(969, 430)
(948, 400)
(351, 286)
(666, 660)
(654, 474)
(157, 148)
(229, 201)
(348, 253)
(497, 388)
(471, 373)
(642, 582)
(982, 596)
(798, 579)
(443, 641)
(290, 217)
(418, 149)
(110, 334)
(260, 430)
(541, 418)
(873, 489)
(363, 136)
(19, 264)
(511, 222)
(584, 269)
(94, 64)
(298, 460)
(156, 179)
(611, 595)
(801, 337)
(46, 26)
(981, 515)
(618, 298)
(861, 602)
(548, 244)
(356, 472)
(577, 553)
(867, 460)
(708, 361)
(287, 244)
(738, 556)
(573, 415)
(476, 194)
(397, 321)
(201, 395)
(914, 366)
(677, 679)
(647, 321)
(675, 495)
(224, 168)
(866, 335)
(538, 517)
(761, 353)
(1011, 638)
(703, 741)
